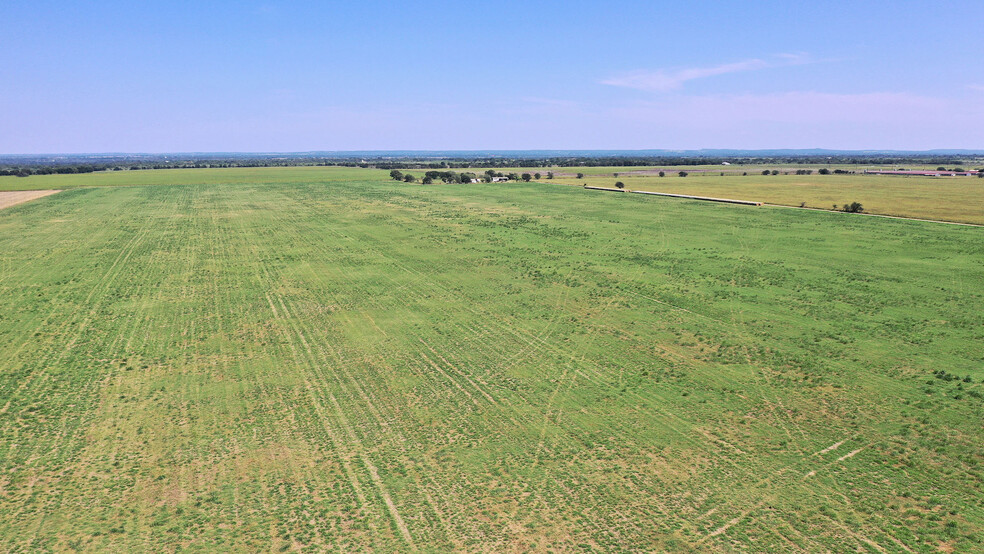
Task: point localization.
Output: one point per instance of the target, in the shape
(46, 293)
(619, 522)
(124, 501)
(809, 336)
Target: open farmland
(321, 359)
(958, 199)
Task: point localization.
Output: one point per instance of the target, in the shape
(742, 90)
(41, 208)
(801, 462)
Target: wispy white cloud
(662, 80)
(800, 107)
(801, 118)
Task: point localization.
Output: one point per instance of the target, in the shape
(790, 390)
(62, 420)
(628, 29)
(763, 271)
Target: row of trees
(60, 170)
(451, 177)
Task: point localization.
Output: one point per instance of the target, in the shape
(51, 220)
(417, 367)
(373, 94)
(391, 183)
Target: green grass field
(959, 199)
(302, 359)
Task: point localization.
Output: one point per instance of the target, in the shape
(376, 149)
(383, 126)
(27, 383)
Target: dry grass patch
(12, 198)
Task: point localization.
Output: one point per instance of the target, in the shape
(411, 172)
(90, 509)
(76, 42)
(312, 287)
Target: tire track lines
(67, 322)
(353, 439)
(68, 439)
(776, 487)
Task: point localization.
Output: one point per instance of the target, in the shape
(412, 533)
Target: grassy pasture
(301, 359)
(959, 199)
(227, 176)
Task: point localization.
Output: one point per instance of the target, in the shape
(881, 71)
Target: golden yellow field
(958, 199)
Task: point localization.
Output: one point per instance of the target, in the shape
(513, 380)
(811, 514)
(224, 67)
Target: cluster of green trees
(431, 176)
(452, 177)
(60, 170)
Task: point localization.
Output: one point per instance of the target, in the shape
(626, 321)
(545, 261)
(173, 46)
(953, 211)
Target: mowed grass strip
(353, 364)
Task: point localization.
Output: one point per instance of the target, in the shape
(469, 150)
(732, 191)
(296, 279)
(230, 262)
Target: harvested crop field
(956, 199)
(12, 198)
(353, 364)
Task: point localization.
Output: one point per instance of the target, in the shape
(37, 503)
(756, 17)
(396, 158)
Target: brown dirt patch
(12, 198)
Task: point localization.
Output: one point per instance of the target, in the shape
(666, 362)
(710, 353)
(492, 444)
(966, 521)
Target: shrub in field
(853, 208)
(662, 174)
(775, 172)
(620, 184)
(396, 175)
(683, 174)
(580, 175)
(823, 171)
(765, 172)
(409, 178)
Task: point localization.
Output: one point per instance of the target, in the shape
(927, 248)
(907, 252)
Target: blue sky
(295, 76)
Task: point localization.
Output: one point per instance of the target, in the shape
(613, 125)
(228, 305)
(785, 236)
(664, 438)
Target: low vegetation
(312, 359)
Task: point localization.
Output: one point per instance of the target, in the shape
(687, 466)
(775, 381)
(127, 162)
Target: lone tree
(527, 177)
(409, 178)
(550, 175)
(619, 184)
(682, 174)
(580, 175)
(427, 181)
(775, 172)
(662, 174)
(765, 172)
(823, 171)
(536, 176)
(396, 175)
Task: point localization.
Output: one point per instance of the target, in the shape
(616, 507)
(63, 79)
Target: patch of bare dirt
(12, 198)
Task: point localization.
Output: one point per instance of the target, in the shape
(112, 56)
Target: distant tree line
(59, 170)
(44, 165)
